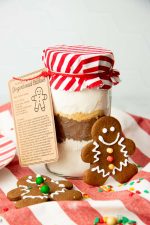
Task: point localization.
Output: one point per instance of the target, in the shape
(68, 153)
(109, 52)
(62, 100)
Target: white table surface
(29, 26)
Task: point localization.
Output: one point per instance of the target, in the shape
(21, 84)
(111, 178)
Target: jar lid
(74, 68)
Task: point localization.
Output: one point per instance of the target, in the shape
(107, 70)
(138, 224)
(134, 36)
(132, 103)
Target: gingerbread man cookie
(108, 153)
(39, 98)
(37, 189)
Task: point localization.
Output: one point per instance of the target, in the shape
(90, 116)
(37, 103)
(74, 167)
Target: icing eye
(104, 130)
(112, 129)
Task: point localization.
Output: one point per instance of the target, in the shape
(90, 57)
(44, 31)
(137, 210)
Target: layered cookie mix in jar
(80, 80)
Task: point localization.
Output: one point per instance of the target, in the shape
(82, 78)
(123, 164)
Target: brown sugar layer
(79, 116)
(72, 129)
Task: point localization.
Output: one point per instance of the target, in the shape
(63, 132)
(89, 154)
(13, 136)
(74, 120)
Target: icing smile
(109, 143)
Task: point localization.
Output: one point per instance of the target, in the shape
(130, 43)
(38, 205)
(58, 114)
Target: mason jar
(80, 96)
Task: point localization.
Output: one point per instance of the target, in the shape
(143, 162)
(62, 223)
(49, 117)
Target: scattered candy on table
(85, 196)
(111, 220)
(131, 189)
(134, 187)
(106, 188)
(5, 209)
(139, 166)
(131, 194)
(96, 220)
(125, 221)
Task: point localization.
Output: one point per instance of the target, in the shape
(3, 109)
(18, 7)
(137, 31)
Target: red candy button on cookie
(110, 159)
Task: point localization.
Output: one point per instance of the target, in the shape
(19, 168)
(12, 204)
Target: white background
(29, 26)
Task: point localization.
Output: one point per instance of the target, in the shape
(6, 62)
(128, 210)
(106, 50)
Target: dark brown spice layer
(72, 129)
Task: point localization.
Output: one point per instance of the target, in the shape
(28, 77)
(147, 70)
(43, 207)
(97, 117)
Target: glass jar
(75, 113)
(80, 79)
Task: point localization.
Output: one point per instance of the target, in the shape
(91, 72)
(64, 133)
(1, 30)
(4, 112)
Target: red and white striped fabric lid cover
(74, 68)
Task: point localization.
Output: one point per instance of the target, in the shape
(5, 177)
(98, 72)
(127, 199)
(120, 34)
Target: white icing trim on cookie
(25, 189)
(23, 186)
(28, 180)
(101, 139)
(125, 163)
(61, 185)
(57, 182)
(98, 170)
(54, 181)
(58, 192)
(123, 147)
(96, 151)
(33, 197)
(125, 153)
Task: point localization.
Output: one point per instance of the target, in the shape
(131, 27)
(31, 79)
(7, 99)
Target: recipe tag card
(33, 119)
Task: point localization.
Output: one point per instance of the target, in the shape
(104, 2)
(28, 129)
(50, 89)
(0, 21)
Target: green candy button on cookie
(45, 189)
(39, 180)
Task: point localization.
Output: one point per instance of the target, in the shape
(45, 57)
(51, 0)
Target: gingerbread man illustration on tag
(39, 99)
(108, 153)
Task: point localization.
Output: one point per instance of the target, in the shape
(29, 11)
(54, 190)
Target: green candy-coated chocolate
(96, 220)
(125, 220)
(131, 183)
(45, 189)
(132, 221)
(39, 180)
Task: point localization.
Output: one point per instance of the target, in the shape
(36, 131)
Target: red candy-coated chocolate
(110, 158)
(5, 209)
(101, 220)
(131, 194)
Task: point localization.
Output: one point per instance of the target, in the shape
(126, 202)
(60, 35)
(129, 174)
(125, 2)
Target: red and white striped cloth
(7, 151)
(136, 207)
(75, 68)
